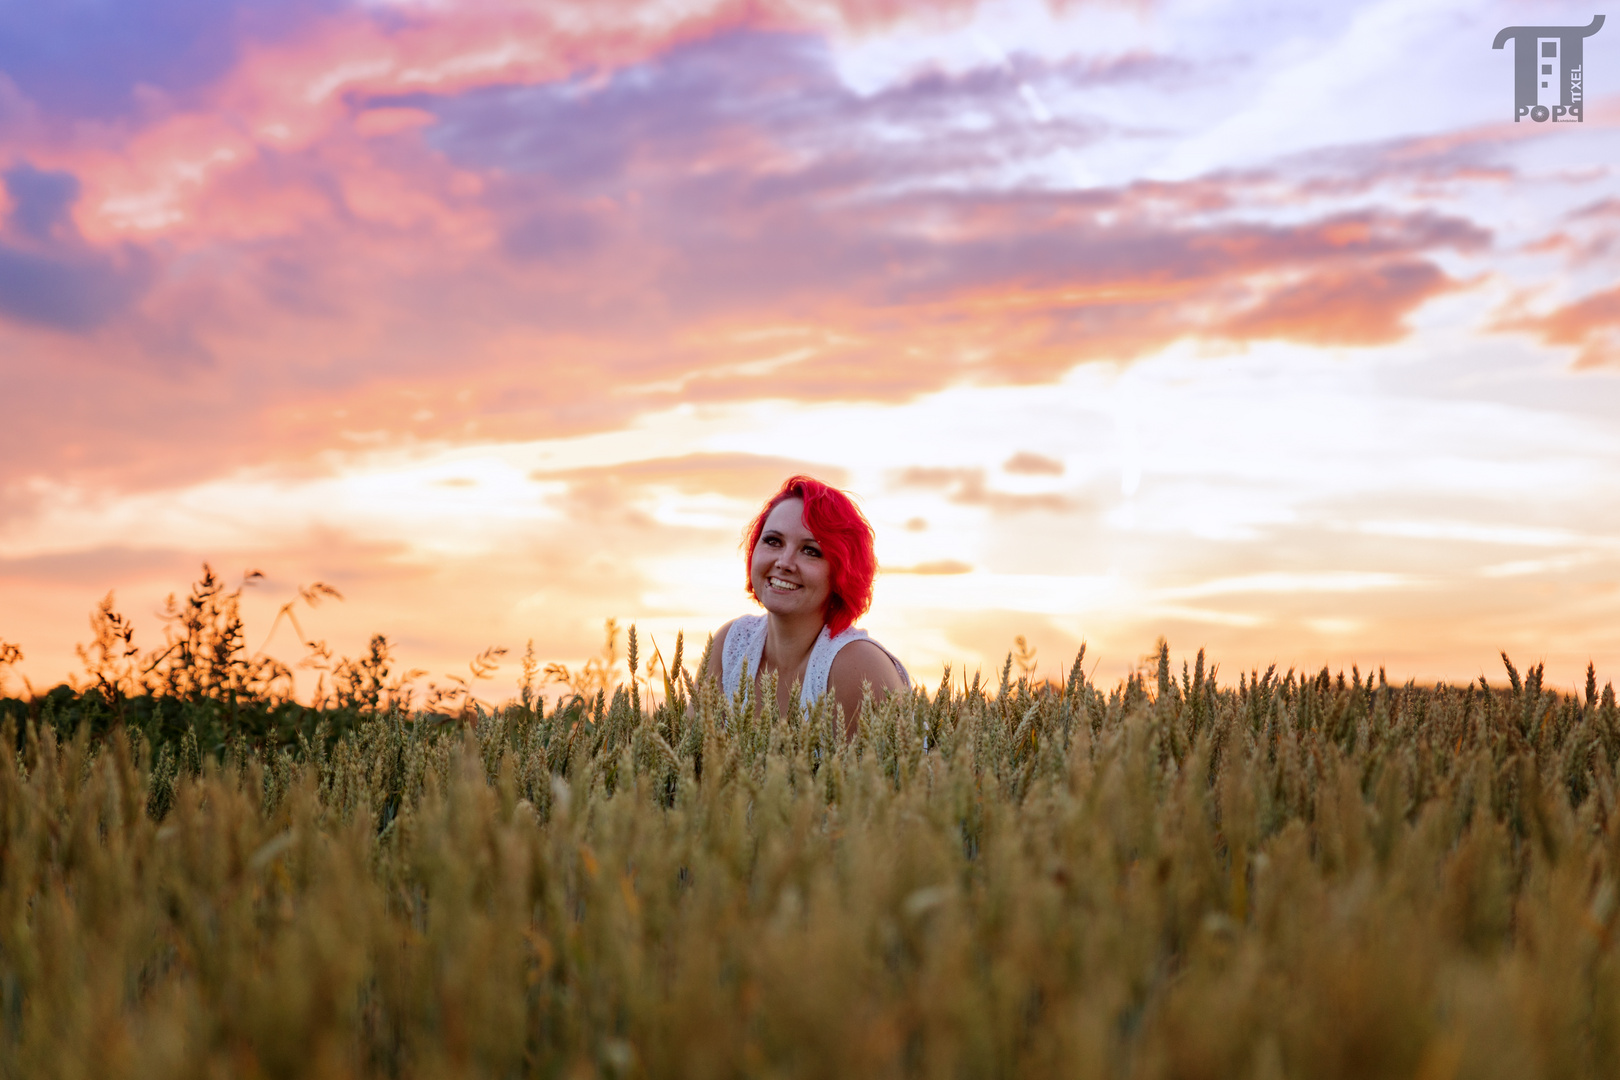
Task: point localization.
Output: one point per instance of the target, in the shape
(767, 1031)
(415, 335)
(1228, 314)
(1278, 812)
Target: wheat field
(1292, 876)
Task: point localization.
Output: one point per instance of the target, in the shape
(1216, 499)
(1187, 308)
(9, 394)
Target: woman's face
(787, 570)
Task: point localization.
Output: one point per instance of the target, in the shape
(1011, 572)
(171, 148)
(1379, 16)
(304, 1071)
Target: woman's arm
(857, 663)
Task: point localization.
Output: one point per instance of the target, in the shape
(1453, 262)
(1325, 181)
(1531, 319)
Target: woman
(810, 565)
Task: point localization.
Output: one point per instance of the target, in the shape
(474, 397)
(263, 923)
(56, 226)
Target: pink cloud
(449, 227)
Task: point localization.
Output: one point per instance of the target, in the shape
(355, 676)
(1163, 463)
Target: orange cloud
(750, 477)
(967, 487)
(937, 567)
(1033, 464)
(1591, 325)
(1365, 306)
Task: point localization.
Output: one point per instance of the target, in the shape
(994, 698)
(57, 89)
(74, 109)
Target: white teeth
(778, 583)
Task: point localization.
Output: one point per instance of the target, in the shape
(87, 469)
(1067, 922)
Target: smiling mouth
(778, 583)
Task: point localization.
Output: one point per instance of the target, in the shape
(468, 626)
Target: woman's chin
(786, 605)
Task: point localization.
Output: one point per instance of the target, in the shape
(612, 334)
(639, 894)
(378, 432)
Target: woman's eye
(814, 552)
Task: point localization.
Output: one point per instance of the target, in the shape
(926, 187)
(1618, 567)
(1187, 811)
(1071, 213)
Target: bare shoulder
(863, 661)
(715, 651)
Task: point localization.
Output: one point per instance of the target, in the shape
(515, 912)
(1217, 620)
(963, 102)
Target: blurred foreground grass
(1294, 877)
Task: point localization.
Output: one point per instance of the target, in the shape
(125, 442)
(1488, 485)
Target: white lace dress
(745, 645)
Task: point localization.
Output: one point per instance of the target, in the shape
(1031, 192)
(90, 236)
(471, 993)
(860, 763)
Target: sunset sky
(1263, 327)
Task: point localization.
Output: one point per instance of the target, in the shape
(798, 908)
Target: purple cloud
(48, 275)
(88, 58)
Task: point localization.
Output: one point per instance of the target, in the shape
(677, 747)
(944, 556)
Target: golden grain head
(1299, 876)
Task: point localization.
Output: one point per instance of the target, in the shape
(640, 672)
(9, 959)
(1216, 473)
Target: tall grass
(1304, 876)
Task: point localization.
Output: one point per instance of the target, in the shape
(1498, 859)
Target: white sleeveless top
(745, 644)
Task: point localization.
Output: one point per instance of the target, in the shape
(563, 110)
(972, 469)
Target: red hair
(846, 541)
